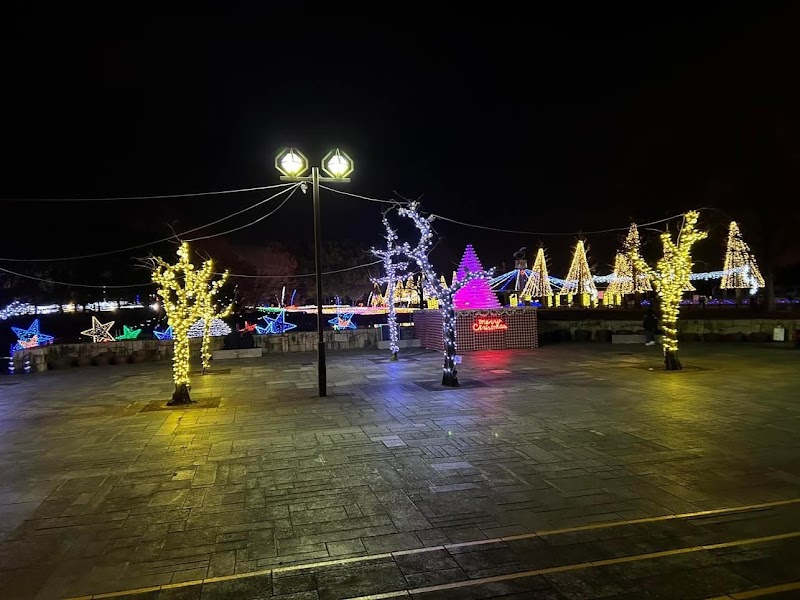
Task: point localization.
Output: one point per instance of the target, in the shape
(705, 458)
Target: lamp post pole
(292, 164)
(322, 373)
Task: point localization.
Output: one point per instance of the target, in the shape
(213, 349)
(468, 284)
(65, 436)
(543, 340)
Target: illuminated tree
(741, 269)
(183, 289)
(207, 290)
(538, 284)
(442, 293)
(394, 272)
(579, 278)
(669, 278)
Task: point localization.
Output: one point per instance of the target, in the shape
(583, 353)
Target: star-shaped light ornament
(276, 325)
(30, 337)
(100, 332)
(342, 321)
(163, 335)
(129, 333)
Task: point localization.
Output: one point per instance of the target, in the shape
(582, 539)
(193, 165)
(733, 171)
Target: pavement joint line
(587, 565)
(766, 591)
(368, 557)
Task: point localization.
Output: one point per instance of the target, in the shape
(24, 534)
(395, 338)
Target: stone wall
(59, 356)
(688, 329)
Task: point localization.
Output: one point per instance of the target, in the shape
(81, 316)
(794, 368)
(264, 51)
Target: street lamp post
(337, 165)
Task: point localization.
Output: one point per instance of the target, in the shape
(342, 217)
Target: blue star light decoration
(342, 321)
(30, 337)
(99, 332)
(276, 325)
(163, 335)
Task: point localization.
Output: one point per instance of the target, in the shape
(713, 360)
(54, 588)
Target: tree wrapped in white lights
(183, 289)
(741, 269)
(669, 278)
(579, 279)
(395, 270)
(442, 293)
(538, 284)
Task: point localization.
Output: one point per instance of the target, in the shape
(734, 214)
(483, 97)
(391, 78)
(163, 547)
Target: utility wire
(302, 274)
(251, 223)
(325, 187)
(114, 199)
(174, 236)
(83, 285)
(613, 229)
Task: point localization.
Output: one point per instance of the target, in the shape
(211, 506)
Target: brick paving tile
(99, 495)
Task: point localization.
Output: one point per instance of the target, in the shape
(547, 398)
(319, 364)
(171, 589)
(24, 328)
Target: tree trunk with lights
(670, 279)
(180, 365)
(449, 370)
(205, 347)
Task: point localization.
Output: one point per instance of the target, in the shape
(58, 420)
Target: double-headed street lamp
(337, 165)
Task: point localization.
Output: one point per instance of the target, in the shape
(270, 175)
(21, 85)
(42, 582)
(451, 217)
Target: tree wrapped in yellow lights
(741, 269)
(208, 290)
(669, 278)
(186, 293)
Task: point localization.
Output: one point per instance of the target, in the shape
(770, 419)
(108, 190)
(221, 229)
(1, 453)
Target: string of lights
(173, 237)
(157, 197)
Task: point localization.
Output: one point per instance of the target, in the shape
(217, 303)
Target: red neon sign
(488, 324)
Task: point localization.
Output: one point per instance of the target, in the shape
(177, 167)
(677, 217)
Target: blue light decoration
(276, 325)
(163, 335)
(342, 321)
(30, 337)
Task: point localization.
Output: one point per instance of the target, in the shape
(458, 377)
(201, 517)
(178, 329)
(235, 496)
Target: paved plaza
(569, 471)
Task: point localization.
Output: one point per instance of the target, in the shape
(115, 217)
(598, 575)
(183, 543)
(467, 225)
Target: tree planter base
(180, 396)
(671, 362)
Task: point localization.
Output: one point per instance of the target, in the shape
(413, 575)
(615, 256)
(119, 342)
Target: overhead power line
(158, 197)
(302, 274)
(175, 236)
(82, 285)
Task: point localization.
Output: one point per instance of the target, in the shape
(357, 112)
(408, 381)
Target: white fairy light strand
(391, 268)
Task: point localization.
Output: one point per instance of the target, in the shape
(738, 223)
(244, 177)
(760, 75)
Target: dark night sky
(565, 122)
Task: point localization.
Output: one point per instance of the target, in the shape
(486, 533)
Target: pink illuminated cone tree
(475, 294)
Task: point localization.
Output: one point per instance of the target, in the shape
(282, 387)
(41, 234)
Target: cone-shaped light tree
(477, 293)
(183, 289)
(626, 279)
(670, 277)
(442, 293)
(741, 269)
(538, 284)
(394, 270)
(579, 279)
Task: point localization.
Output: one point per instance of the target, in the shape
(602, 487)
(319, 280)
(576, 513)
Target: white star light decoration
(100, 332)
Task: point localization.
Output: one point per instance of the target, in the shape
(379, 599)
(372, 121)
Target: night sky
(543, 122)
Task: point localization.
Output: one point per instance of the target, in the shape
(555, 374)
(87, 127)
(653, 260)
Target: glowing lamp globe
(337, 164)
(291, 163)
